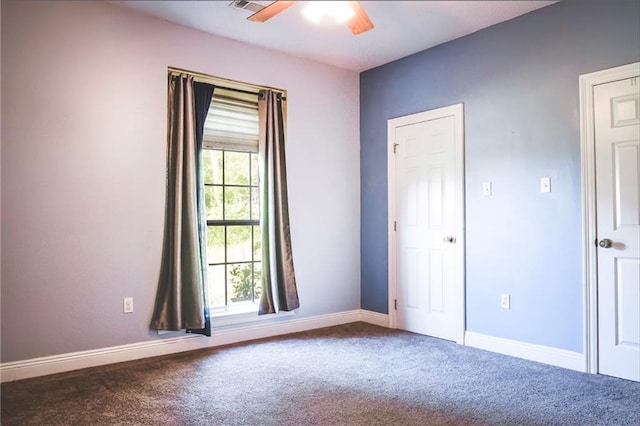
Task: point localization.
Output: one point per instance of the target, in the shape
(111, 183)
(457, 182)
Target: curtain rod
(227, 84)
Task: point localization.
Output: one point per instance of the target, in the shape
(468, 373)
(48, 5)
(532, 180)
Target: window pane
(236, 203)
(254, 170)
(215, 244)
(207, 167)
(212, 163)
(236, 168)
(216, 281)
(238, 244)
(255, 204)
(240, 282)
(257, 280)
(213, 202)
(231, 193)
(257, 243)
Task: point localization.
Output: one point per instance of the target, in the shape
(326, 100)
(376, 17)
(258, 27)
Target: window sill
(242, 314)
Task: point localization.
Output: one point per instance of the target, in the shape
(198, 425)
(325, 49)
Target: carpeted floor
(353, 374)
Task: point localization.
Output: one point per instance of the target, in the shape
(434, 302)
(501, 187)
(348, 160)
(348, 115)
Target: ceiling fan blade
(270, 11)
(360, 22)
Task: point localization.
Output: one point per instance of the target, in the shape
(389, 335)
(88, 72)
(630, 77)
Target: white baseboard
(225, 335)
(221, 336)
(544, 354)
(374, 318)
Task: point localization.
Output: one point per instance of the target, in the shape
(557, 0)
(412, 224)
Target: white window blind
(232, 121)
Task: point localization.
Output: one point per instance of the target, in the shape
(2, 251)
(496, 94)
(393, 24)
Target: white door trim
(457, 111)
(587, 148)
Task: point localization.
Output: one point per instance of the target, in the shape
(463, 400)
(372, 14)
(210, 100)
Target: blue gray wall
(519, 84)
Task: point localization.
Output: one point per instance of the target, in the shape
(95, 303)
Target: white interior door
(617, 153)
(427, 224)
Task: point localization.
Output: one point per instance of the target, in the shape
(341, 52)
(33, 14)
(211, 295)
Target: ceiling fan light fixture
(340, 11)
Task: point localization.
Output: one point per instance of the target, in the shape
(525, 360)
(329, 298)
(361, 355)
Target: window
(225, 216)
(230, 164)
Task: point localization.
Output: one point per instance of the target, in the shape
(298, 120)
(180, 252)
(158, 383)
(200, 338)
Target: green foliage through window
(244, 280)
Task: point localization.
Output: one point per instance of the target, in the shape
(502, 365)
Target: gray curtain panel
(180, 300)
(279, 290)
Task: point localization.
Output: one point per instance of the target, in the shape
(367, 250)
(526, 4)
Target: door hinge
(395, 304)
(395, 146)
(395, 225)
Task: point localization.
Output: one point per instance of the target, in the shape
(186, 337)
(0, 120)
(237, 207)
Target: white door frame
(457, 111)
(589, 256)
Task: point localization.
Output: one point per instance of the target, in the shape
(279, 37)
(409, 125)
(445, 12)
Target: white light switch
(128, 305)
(505, 301)
(545, 184)
(486, 188)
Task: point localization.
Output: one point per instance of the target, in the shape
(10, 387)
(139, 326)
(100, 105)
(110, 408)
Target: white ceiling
(401, 27)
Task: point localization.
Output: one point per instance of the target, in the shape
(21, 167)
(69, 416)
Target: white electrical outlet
(486, 188)
(545, 184)
(505, 301)
(128, 305)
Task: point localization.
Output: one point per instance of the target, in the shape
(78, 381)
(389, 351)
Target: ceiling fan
(357, 19)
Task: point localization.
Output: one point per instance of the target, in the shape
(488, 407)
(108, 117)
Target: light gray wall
(519, 84)
(83, 170)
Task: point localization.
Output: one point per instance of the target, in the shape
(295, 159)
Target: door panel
(437, 285)
(627, 187)
(626, 309)
(426, 214)
(617, 145)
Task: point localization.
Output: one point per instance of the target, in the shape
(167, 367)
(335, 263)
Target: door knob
(449, 239)
(605, 243)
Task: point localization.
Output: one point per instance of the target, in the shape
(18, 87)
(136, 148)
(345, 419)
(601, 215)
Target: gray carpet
(354, 374)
